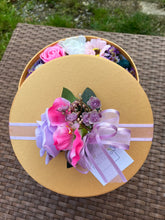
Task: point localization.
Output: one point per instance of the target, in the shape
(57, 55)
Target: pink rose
(63, 137)
(76, 148)
(51, 53)
(55, 113)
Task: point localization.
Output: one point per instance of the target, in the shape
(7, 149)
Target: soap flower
(58, 112)
(74, 45)
(51, 53)
(44, 138)
(95, 47)
(76, 148)
(63, 137)
(66, 139)
(111, 53)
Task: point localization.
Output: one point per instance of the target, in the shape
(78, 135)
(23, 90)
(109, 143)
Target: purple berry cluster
(85, 114)
(94, 103)
(93, 116)
(90, 118)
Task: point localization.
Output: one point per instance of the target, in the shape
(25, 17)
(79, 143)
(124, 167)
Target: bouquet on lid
(84, 131)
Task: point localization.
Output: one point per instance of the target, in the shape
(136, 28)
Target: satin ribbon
(26, 131)
(105, 134)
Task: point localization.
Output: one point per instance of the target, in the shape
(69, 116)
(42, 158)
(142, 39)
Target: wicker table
(142, 197)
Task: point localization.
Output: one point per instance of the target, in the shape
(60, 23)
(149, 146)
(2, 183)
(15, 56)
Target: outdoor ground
(126, 16)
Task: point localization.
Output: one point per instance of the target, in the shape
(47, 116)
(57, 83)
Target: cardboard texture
(116, 89)
(37, 56)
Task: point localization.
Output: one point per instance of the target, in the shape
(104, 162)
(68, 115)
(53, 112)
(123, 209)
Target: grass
(120, 21)
(115, 16)
(8, 21)
(137, 23)
(60, 21)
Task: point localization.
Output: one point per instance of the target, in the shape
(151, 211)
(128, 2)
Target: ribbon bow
(105, 135)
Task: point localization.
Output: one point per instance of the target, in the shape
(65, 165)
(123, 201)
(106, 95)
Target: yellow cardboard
(116, 89)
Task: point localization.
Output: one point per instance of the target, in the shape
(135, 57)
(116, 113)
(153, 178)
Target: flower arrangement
(91, 138)
(80, 45)
(81, 128)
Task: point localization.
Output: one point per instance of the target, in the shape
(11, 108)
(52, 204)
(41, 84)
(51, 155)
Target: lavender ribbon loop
(105, 134)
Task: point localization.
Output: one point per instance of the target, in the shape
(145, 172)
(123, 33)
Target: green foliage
(67, 94)
(8, 21)
(60, 21)
(138, 23)
(103, 20)
(83, 131)
(119, 21)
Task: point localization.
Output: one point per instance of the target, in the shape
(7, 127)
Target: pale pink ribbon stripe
(120, 125)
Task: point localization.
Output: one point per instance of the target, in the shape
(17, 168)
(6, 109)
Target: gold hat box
(116, 89)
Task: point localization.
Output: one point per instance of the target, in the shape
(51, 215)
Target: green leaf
(83, 132)
(87, 94)
(67, 94)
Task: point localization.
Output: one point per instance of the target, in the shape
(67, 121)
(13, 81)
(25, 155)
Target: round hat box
(116, 89)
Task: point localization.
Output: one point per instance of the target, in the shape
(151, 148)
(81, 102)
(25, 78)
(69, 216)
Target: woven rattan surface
(142, 197)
